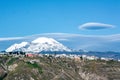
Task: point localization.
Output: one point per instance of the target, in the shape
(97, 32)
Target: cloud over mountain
(95, 26)
(75, 41)
(10, 38)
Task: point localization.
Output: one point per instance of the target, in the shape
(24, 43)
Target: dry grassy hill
(51, 68)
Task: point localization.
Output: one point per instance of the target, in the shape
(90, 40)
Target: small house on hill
(31, 55)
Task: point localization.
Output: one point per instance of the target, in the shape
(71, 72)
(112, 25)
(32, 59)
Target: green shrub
(35, 65)
(11, 61)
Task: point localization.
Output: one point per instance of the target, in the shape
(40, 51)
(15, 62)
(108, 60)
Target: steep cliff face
(51, 68)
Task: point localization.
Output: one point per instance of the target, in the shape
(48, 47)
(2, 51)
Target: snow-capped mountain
(38, 45)
(16, 46)
(73, 41)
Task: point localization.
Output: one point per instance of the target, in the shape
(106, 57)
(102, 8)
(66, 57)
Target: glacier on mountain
(38, 45)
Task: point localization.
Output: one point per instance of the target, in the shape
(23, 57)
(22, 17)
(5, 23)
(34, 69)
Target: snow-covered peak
(16, 46)
(23, 43)
(38, 45)
(44, 40)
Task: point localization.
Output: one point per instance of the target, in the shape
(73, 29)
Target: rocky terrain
(57, 68)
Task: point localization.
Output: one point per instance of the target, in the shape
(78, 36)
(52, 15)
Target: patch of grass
(35, 65)
(11, 61)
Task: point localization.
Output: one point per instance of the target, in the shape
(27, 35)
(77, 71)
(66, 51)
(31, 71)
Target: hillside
(57, 68)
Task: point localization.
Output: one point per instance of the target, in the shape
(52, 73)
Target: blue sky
(28, 17)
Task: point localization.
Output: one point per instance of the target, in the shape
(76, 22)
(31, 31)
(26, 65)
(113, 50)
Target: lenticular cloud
(95, 26)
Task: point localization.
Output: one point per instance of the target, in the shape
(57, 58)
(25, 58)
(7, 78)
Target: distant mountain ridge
(38, 45)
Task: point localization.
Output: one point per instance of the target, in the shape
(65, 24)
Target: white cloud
(62, 39)
(74, 41)
(10, 38)
(95, 26)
